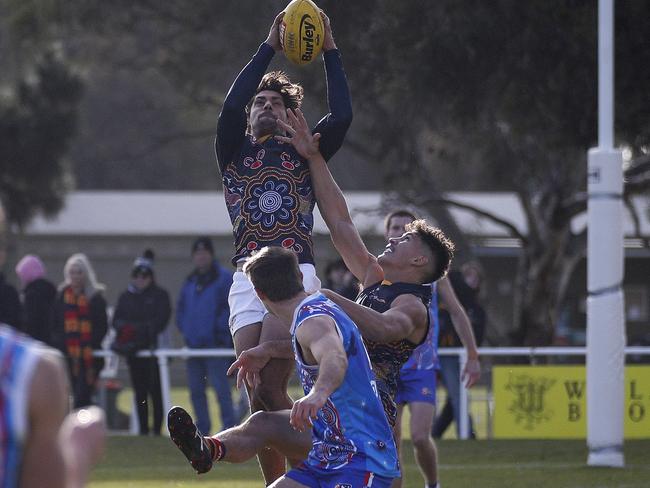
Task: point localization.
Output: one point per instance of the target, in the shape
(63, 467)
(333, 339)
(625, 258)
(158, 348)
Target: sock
(217, 449)
(432, 485)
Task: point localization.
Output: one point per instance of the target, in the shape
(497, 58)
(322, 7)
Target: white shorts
(247, 309)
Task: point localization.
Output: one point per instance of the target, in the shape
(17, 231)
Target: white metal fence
(164, 356)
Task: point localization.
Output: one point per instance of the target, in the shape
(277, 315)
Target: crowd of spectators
(74, 318)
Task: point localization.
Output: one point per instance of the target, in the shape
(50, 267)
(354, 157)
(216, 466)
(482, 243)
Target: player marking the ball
(268, 194)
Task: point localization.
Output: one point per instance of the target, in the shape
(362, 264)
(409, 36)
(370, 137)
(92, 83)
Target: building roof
(182, 213)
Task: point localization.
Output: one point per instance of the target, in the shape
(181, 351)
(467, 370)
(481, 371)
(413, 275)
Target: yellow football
(302, 32)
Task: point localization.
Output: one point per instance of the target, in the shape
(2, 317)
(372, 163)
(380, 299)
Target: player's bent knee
(421, 440)
(262, 425)
(256, 421)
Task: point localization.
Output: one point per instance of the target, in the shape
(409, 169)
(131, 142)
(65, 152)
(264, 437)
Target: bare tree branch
(635, 219)
(638, 166)
(160, 142)
(573, 206)
(514, 232)
(637, 184)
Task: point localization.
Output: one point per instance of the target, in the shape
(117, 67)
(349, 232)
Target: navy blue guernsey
(388, 358)
(266, 183)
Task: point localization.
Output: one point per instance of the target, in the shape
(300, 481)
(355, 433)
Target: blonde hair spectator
(91, 285)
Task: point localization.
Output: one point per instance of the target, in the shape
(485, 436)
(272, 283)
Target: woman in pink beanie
(38, 298)
(29, 268)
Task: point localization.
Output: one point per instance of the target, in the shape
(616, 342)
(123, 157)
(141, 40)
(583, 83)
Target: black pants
(145, 378)
(82, 384)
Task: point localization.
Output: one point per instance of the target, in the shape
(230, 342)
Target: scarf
(78, 334)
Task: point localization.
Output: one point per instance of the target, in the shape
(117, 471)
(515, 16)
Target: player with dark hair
(396, 294)
(269, 196)
(393, 317)
(351, 443)
(417, 384)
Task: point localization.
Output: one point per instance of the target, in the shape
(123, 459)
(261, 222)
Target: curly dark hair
(440, 245)
(278, 81)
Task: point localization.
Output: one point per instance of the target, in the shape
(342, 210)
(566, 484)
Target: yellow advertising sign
(549, 402)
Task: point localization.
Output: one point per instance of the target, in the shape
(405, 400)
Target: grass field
(148, 462)
(180, 396)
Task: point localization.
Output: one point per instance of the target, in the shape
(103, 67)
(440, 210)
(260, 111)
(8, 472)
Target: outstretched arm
(406, 315)
(251, 361)
(320, 343)
(334, 126)
(472, 370)
(231, 125)
(331, 202)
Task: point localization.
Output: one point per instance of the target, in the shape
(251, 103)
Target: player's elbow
(379, 333)
(390, 333)
(343, 360)
(344, 118)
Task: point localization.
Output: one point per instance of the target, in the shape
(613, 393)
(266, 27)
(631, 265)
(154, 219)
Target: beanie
(30, 268)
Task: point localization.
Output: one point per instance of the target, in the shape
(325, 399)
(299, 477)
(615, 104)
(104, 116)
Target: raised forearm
(463, 328)
(330, 199)
(244, 86)
(335, 124)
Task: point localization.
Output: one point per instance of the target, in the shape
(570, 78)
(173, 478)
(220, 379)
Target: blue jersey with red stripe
(18, 358)
(425, 356)
(351, 430)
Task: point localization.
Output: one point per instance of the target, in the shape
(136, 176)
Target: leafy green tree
(37, 120)
(506, 91)
(462, 95)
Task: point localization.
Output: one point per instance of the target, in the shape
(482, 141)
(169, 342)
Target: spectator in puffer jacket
(142, 313)
(202, 316)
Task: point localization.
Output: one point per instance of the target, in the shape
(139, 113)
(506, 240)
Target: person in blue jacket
(202, 316)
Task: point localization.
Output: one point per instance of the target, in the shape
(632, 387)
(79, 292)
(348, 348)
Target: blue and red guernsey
(18, 359)
(266, 183)
(388, 358)
(351, 431)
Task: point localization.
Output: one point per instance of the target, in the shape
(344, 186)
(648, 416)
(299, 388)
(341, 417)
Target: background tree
(37, 119)
(506, 92)
(448, 95)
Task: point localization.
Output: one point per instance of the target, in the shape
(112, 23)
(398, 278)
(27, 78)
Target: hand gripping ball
(302, 32)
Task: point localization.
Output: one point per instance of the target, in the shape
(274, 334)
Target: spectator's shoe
(189, 440)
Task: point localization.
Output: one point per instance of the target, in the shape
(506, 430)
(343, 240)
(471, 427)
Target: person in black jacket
(79, 325)
(10, 309)
(142, 313)
(38, 298)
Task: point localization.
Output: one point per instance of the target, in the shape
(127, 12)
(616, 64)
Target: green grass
(180, 396)
(148, 462)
